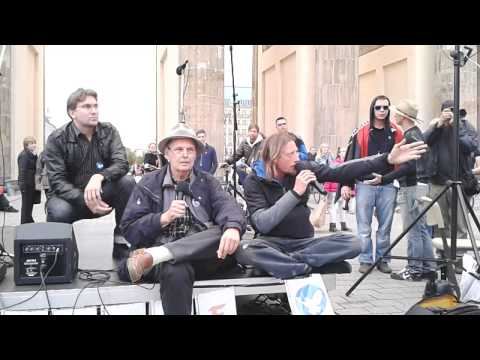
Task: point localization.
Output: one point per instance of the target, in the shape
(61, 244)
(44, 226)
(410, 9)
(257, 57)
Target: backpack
(440, 299)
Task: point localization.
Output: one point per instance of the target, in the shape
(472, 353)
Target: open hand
(402, 153)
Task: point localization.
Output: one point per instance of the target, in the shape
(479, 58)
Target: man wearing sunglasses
(378, 136)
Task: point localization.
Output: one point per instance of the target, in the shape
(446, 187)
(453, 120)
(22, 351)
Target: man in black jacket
(87, 168)
(249, 149)
(183, 226)
(441, 164)
(277, 195)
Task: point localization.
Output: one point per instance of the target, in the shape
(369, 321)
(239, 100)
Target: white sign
(469, 284)
(308, 296)
(218, 302)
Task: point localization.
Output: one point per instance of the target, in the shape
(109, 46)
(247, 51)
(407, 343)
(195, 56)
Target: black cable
(78, 296)
(46, 291)
(40, 288)
(101, 300)
(94, 277)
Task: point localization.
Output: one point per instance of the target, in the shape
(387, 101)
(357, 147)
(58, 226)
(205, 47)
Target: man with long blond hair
(277, 193)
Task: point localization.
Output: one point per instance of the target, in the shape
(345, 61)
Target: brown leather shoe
(137, 263)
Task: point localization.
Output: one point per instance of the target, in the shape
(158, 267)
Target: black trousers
(195, 258)
(27, 206)
(115, 194)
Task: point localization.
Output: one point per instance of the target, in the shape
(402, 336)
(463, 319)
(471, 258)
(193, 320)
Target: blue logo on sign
(99, 166)
(311, 300)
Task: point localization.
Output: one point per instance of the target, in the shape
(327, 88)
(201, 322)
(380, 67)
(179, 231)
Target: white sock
(159, 254)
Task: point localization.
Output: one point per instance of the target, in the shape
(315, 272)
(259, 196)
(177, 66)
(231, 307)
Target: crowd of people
(174, 223)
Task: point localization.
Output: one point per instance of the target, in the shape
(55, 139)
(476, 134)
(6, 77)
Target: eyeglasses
(378, 107)
(281, 124)
(180, 150)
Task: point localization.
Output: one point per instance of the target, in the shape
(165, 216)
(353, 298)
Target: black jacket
(440, 163)
(27, 164)
(63, 158)
(244, 150)
(408, 173)
(141, 220)
(262, 193)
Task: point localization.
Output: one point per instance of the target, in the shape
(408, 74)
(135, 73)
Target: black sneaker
(384, 268)
(406, 274)
(364, 267)
(10, 209)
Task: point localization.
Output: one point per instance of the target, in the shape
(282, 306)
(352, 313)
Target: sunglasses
(378, 107)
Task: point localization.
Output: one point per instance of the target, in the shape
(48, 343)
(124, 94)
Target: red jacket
(331, 186)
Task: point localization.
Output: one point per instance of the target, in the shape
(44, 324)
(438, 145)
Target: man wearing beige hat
(181, 223)
(419, 239)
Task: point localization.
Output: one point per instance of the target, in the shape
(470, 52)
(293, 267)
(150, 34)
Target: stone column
(204, 97)
(424, 80)
(336, 94)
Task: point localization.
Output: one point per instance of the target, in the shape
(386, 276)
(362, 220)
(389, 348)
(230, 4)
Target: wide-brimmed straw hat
(180, 131)
(406, 108)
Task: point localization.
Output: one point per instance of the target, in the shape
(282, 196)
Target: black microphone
(314, 184)
(181, 67)
(312, 166)
(182, 189)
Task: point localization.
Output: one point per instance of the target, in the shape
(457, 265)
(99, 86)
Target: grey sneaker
(364, 267)
(384, 268)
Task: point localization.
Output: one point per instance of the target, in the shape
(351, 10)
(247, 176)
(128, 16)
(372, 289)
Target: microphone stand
(235, 127)
(181, 91)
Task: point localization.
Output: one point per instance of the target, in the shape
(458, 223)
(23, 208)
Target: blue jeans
(419, 239)
(382, 198)
(285, 258)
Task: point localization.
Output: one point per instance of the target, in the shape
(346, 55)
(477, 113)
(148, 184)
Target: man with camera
(277, 193)
(441, 163)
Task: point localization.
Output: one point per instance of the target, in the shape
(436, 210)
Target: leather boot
(333, 227)
(344, 226)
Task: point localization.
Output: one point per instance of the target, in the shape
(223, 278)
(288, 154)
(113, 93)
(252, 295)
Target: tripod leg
(397, 240)
(466, 206)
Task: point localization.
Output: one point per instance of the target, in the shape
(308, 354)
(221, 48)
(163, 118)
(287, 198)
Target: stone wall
(444, 83)
(204, 97)
(336, 94)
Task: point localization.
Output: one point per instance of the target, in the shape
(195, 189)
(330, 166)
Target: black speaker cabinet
(35, 248)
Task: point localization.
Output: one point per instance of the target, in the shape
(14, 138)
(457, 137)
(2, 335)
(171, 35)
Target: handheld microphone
(181, 190)
(310, 165)
(180, 68)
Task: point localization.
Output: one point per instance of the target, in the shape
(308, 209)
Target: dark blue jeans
(286, 258)
(115, 194)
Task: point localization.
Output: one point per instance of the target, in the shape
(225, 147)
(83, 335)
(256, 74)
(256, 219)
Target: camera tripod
(450, 261)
